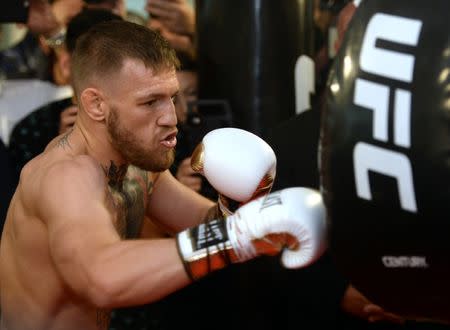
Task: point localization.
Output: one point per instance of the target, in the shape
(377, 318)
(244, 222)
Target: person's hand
(41, 19)
(187, 176)
(179, 42)
(65, 10)
(67, 119)
(176, 15)
(375, 313)
(355, 303)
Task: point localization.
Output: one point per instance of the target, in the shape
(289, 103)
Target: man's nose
(169, 115)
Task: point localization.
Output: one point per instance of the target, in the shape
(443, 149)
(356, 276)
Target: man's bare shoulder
(80, 172)
(50, 168)
(48, 182)
(59, 153)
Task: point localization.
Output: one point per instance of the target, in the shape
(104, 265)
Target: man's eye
(151, 102)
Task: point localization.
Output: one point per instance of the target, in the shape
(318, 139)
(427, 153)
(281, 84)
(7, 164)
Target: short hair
(83, 21)
(103, 49)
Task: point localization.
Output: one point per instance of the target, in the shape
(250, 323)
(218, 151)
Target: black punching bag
(385, 156)
(247, 52)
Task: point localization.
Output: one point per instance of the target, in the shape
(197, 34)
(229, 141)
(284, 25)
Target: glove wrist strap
(205, 248)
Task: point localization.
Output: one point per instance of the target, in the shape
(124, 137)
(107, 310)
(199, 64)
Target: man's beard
(134, 152)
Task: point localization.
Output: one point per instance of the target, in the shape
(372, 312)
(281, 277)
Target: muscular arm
(176, 206)
(87, 251)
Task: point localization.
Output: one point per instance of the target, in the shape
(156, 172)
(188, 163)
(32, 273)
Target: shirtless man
(68, 252)
(79, 198)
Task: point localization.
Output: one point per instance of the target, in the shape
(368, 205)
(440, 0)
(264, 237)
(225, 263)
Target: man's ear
(92, 102)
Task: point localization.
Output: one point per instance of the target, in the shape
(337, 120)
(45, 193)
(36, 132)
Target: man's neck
(112, 163)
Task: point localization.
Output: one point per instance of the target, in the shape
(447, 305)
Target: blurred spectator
(325, 18)
(36, 14)
(33, 56)
(116, 6)
(176, 15)
(21, 96)
(187, 95)
(175, 20)
(22, 56)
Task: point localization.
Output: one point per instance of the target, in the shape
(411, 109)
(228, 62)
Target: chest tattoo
(115, 175)
(103, 318)
(129, 188)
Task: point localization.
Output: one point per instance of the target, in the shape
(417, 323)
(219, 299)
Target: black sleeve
(7, 183)
(31, 135)
(295, 143)
(14, 11)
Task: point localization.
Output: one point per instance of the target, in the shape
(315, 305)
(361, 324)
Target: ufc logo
(375, 96)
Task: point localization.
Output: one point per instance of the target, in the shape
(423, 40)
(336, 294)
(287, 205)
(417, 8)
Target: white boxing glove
(290, 220)
(238, 164)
